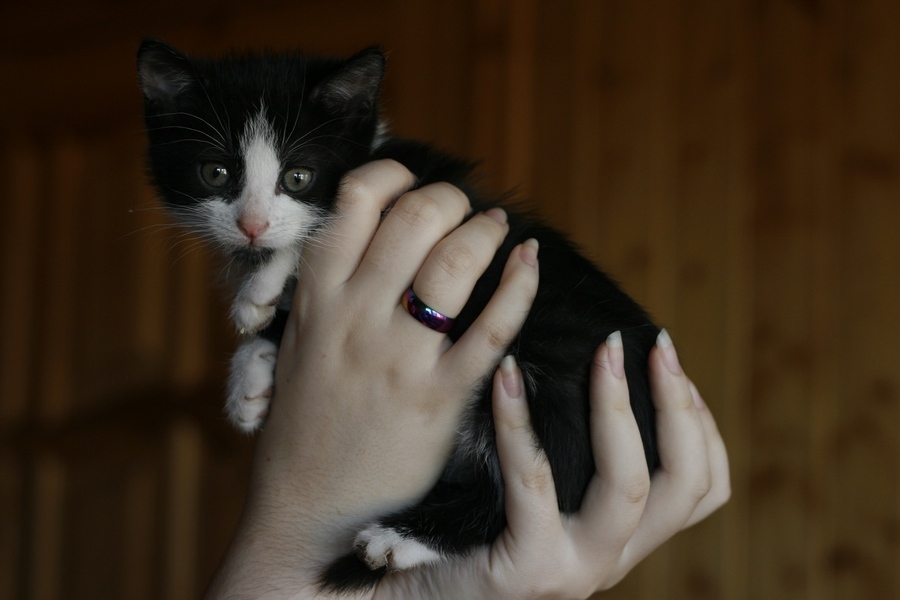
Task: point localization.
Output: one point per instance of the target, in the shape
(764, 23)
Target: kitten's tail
(350, 574)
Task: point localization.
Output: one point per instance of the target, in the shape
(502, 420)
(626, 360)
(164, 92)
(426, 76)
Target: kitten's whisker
(339, 137)
(297, 143)
(225, 271)
(195, 140)
(199, 118)
(299, 108)
(333, 153)
(225, 130)
(146, 206)
(150, 229)
(186, 251)
(306, 142)
(209, 137)
(326, 238)
(312, 271)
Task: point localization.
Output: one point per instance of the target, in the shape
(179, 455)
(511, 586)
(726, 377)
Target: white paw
(250, 383)
(250, 317)
(384, 547)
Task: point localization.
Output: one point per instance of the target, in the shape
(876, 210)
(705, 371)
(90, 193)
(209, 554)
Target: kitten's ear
(356, 85)
(164, 71)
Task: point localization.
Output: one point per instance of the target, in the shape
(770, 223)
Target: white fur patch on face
(262, 216)
(261, 165)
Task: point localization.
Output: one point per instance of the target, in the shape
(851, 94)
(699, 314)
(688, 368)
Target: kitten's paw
(250, 317)
(250, 383)
(380, 546)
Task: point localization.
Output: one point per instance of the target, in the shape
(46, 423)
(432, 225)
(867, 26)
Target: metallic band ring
(425, 314)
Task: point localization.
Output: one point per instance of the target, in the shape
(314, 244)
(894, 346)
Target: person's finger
(720, 486)
(364, 193)
(530, 494)
(451, 270)
(615, 498)
(489, 337)
(683, 477)
(414, 225)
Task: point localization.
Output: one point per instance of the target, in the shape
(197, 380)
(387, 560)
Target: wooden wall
(735, 162)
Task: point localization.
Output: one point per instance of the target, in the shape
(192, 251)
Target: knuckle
(723, 494)
(450, 192)
(718, 495)
(526, 282)
(635, 490)
(455, 260)
(495, 336)
(703, 485)
(361, 184)
(537, 480)
(698, 486)
(417, 208)
(396, 168)
(354, 187)
(620, 404)
(616, 401)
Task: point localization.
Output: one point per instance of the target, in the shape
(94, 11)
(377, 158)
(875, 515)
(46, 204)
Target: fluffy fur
(248, 150)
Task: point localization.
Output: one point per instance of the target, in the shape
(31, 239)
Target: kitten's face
(248, 151)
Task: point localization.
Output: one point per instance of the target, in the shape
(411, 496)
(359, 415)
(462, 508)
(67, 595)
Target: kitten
(248, 151)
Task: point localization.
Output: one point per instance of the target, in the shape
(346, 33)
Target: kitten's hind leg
(250, 383)
(380, 546)
(453, 519)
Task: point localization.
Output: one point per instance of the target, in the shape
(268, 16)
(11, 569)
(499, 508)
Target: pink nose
(252, 228)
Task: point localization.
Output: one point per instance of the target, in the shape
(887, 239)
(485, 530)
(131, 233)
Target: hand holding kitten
(368, 401)
(626, 514)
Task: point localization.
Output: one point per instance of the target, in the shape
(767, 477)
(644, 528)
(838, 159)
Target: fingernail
(529, 251)
(509, 375)
(497, 214)
(616, 354)
(670, 357)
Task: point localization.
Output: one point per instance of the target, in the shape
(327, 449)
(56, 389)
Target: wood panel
(866, 548)
(735, 164)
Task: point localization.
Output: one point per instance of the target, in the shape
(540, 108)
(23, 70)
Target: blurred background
(736, 163)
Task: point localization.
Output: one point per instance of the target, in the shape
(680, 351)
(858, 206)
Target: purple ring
(424, 314)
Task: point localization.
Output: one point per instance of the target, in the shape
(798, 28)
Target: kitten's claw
(380, 546)
(250, 317)
(251, 383)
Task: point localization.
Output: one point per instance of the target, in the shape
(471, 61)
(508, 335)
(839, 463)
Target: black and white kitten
(248, 151)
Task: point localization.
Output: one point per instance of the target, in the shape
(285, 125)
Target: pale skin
(367, 401)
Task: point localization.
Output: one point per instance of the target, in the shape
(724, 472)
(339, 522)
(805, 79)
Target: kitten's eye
(215, 174)
(296, 179)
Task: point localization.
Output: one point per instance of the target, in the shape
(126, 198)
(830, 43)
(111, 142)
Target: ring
(425, 314)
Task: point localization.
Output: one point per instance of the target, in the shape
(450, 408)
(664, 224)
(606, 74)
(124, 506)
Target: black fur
(576, 308)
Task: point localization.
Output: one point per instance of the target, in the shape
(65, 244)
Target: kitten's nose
(252, 228)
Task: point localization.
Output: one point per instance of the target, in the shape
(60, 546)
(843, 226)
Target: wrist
(268, 558)
(280, 547)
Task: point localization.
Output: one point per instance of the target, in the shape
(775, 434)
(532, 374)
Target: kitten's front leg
(254, 304)
(250, 383)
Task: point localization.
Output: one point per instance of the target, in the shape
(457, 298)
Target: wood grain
(735, 164)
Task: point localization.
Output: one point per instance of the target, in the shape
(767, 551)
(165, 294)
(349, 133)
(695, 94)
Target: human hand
(626, 513)
(284, 537)
(367, 398)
